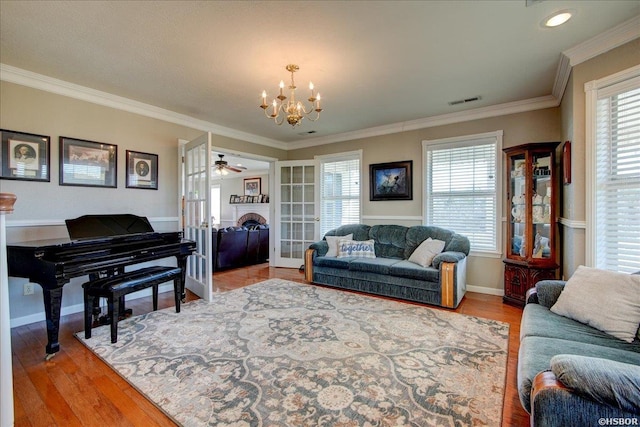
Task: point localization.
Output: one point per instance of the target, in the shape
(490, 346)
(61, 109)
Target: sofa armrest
(531, 296)
(322, 247)
(448, 256)
(554, 404)
(548, 291)
(605, 381)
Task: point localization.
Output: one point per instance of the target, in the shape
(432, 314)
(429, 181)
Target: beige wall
(42, 206)
(534, 126)
(573, 129)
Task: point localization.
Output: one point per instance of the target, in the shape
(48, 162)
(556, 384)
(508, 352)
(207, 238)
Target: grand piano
(98, 246)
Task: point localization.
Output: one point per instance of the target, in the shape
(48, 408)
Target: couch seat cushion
(372, 265)
(538, 320)
(324, 261)
(535, 356)
(410, 270)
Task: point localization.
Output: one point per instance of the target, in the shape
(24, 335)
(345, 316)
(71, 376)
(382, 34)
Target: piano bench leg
(155, 297)
(114, 309)
(88, 313)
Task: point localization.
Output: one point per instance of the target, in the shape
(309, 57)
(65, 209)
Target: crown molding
(604, 42)
(548, 101)
(22, 77)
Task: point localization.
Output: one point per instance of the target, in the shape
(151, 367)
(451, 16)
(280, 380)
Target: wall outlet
(28, 288)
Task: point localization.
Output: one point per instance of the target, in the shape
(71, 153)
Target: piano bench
(114, 289)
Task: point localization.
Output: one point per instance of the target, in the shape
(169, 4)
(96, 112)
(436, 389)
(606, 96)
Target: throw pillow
(423, 255)
(358, 249)
(605, 300)
(332, 241)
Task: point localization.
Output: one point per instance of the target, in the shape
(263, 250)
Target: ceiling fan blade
(235, 168)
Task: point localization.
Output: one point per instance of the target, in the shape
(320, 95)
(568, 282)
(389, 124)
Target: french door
(196, 207)
(296, 211)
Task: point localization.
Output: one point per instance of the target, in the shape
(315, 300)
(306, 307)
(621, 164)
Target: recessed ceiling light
(557, 18)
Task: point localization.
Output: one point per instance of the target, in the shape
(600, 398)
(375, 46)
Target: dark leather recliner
(263, 247)
(232, 247)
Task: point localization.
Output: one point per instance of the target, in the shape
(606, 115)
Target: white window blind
(339, 192)
(461, 189)
(617, 175)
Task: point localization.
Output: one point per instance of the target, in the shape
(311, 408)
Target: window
(339, 190)
(615, 174)
(462, 187)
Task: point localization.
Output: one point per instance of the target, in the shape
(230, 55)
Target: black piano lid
(92, 226)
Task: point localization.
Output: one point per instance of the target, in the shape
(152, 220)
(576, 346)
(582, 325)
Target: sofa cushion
(411, 270)
(428, 249)
(390, 240)
(332, 242)
(590, 289)
(377, 265)
(359, 231)
(538, 320)
(535, 355)
(323, 261)
(605, 381)
(357, 249)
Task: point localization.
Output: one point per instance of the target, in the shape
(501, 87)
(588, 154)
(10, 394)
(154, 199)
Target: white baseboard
(79, 308)
(485, 290)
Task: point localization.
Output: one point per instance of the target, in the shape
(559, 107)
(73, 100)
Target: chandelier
(294, 111)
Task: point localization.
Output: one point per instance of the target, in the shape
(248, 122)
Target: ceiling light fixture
(294, 111)
(557, 18)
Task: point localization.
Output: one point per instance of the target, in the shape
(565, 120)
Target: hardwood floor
(76, 388)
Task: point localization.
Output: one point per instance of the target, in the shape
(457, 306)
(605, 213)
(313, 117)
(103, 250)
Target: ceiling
(376, 63)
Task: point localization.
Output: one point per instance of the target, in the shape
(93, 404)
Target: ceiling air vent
(311, 132)
(464, 101)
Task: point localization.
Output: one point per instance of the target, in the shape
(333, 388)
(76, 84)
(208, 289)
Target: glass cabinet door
(541, 206)
(518, 214)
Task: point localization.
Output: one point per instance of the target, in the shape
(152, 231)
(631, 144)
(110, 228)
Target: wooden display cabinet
(532, 200)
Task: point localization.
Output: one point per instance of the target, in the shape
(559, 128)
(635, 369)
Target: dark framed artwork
(566, 163)
(142, 170)
(252, 186)
(88, 163)
(24, 156)
(391, 181)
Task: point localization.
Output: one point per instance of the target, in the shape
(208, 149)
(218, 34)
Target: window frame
(606, 86)
(336, 157)
(468, 140)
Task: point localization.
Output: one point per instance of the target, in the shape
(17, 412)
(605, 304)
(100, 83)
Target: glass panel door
(296, 224)
(541, 215)
(197, 215)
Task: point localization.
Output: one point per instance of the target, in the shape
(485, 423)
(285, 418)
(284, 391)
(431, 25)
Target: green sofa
(571, 374)
(390, 273)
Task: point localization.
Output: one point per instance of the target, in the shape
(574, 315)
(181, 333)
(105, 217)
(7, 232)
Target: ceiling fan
(222, 167)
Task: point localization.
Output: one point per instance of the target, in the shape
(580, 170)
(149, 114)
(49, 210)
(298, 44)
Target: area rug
(280, 353)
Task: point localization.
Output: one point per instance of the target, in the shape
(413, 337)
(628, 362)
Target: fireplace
(250, 219)
(251, 213)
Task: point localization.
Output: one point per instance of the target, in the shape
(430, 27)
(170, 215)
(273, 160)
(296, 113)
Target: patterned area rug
(280, 353)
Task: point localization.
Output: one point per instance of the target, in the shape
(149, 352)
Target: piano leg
(182, 263)
(52, 304)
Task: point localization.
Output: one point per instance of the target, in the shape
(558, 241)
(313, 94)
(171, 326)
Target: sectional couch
(440, 281)
(239, 246)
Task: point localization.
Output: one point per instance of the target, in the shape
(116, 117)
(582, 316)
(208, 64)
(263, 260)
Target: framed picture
(24, 156)
(142, 170)
(252, 186)
(88, 163)
(391, 181)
